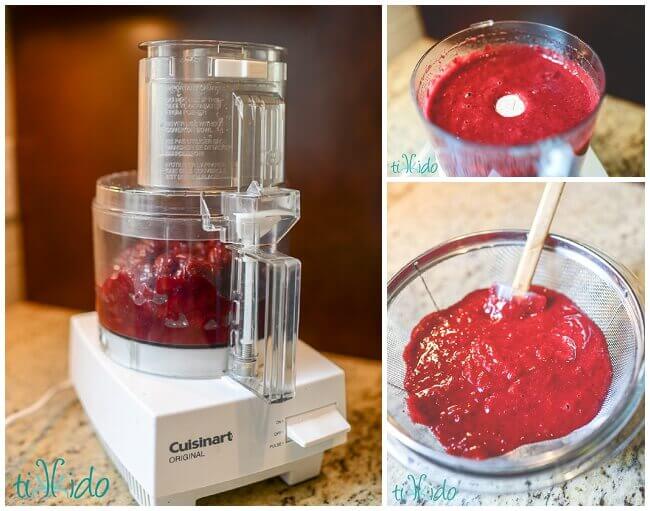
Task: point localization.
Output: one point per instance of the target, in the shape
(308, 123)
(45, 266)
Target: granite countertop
(619, 138)
(36, 359)
(608, 216)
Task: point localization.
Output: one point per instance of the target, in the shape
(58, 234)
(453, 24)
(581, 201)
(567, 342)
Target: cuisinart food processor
(191, 371)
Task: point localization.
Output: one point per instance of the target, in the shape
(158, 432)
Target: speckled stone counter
(617, 483)
(36, 358)
(608, 216)
(619, 139)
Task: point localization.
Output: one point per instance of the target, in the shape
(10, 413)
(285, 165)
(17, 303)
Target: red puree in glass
(557, 95)
(167, 292)
(487, 378)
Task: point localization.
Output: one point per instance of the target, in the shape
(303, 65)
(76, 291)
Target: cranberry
(168, 293)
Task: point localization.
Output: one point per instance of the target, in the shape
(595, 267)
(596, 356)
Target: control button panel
(316, 426)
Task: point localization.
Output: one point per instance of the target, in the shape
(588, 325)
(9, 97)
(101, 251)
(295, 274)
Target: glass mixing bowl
(559, 155)
(606, 291)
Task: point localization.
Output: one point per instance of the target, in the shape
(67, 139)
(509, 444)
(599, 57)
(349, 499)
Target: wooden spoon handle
(536, 237)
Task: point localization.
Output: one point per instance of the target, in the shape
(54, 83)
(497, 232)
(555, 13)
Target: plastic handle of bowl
(265, 290)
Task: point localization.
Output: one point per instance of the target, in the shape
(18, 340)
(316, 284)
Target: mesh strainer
(607, 292)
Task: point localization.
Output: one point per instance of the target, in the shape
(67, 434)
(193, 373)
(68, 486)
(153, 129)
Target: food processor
(555, 156)
(606, 291)
(190, 370)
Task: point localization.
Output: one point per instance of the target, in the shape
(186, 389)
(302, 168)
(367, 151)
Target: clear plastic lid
(256, 216)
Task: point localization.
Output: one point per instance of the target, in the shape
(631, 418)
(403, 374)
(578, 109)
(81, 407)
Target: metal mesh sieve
(445, 274)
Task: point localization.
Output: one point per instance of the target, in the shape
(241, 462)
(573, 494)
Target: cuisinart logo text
(191, 449)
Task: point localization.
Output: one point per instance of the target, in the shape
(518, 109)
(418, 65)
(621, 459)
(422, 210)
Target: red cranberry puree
(486, 383)
(167, 292)
(557, 95)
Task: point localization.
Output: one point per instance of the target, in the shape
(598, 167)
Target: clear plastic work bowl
(189, 283)
(559, 155)
(605, 291)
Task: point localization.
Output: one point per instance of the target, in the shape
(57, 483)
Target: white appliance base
(294, 473)
(177, 440)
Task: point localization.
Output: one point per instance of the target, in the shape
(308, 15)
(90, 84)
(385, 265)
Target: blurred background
(71, 117)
